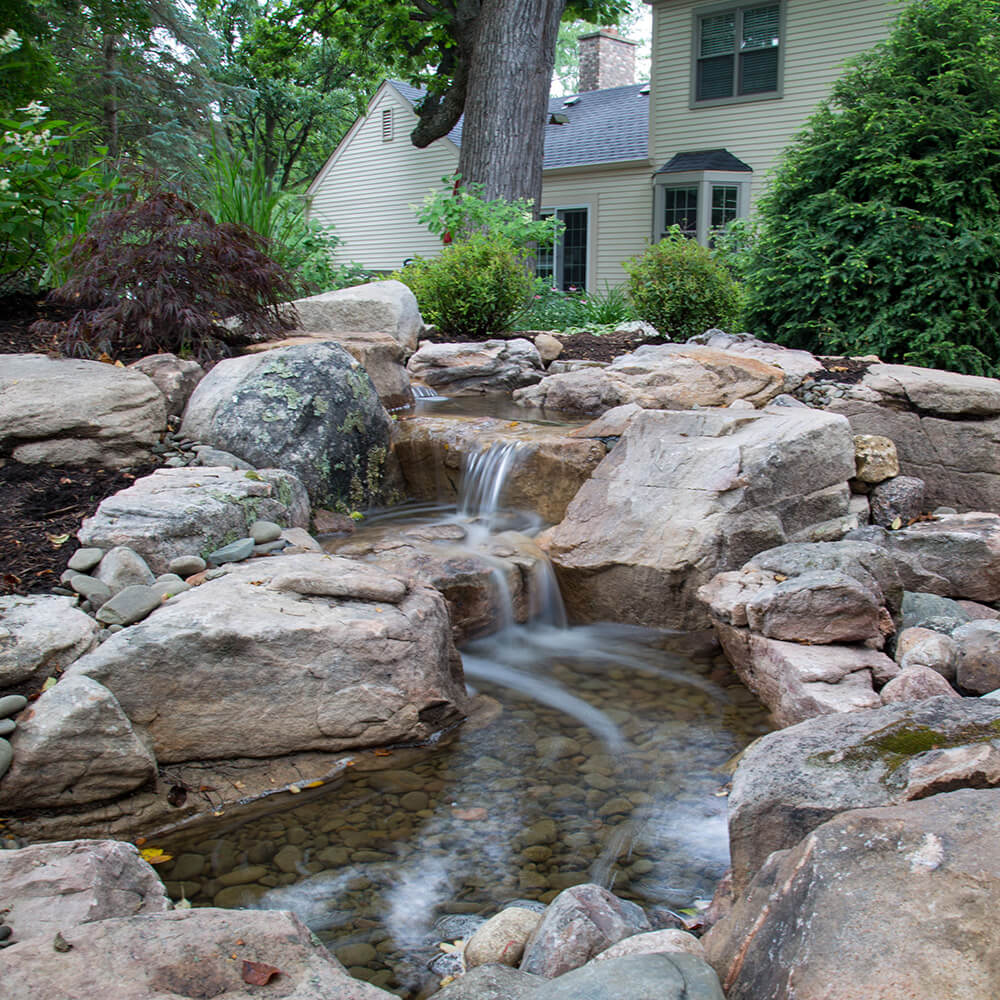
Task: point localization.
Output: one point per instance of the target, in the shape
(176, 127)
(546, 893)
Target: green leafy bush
(159, 274)
(45, 196)
(551, 309)
(881, 231)
(474, 289)
(455, 213)
(678, 287)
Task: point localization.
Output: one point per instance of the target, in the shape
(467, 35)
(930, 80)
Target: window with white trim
(701, 202)
(565, 264)
(737, 54)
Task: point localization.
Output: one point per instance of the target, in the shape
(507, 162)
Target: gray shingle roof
(605, 126)
(704, 159)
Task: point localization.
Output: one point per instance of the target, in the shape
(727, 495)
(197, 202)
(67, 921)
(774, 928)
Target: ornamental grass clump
(474, 288)
(158, 274)
(678, 287)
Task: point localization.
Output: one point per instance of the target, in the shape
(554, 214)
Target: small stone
(91, 589)
(187, 866)
(84, 560)
(238, 895)
(6, 756)
(12, 704)
(236, 551)
(243, 876)
(7, 726)
(414, 801)
(67, 575)
(185, 566)
(356, 954)
(129, 606)
(169, 588)
(122, 567)
(544, 831)
(334, 855)
(875, 458)
(263, 532)
(288, 859)
(268, 547)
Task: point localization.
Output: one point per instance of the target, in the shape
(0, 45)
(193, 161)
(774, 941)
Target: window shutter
(387, 125)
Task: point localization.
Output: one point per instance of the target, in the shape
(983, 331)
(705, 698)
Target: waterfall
(424, 391)
(484, 479)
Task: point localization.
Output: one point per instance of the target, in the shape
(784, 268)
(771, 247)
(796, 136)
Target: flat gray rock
(637, 977)
(129, 606)
(84, 560)
(236, 551)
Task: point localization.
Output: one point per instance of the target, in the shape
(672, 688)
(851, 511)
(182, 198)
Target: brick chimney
(606, 60)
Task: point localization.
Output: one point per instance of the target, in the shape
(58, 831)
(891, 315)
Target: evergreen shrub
(880, 233)
(679, 287)
(474, 289)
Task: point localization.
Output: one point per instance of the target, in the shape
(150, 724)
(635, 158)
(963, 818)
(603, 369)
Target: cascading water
(605, 765)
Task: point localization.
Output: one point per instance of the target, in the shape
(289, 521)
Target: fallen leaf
(780, 577)
(382, 753)
(60, 943)
(896, 524)
(473, 815)
(314, 784)
(448, 947)
(64, 481)
(155, 856)
(259, 973)
(57, 540)
(240, 942)
(49, 683)
(139, 841)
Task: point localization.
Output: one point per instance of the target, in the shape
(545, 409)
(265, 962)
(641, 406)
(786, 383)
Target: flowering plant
(43, 195)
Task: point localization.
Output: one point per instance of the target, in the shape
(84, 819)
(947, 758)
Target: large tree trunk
(506, 104)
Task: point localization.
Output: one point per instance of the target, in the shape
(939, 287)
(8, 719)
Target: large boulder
(954, 555)
(65, 411)
(894, 903)
(686, 495)
(946, 428)
(380, 354)
(48, 888)
(546, 470)
(637, 977)
(659, 377)
(39, 637)
(791, 781)
(74, 746)
(376, 307)
(286, 654)
(310, 409)
(473, 369)
(175, 377)
(188, 511)
(186, 953)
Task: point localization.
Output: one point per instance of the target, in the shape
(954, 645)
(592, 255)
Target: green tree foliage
(881, 231)
(678, 287)
(294, 88)
(474, 288)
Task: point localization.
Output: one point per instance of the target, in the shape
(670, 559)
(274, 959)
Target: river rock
(376, 307)
(577, 925)
(234, 552)
(74, 746)
(549, 347)
(492, 982)
(923, 647)
(875, 458)
(897, 501)
(928, 874)
(668, 941)
(179, 512)
(473, 369)
(946, 428)
(502, 938)
(797, 682)
(39, 637)
(67, 411)
(638, 977)
(184, 953)
(686, 495)
(915, 684)
(791, 781)
(954, 555)
(978, 669)
(130, 605)
(545, 472)
(659, 377)
(185, 566)
(175, 377)
(309, 409)
(268, 670)
(123, 567)
(84, 560)
(91, 589)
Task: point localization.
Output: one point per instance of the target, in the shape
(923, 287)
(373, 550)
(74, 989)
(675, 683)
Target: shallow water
(605, 761)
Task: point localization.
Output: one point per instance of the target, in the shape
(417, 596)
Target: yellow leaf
(896, 524)
(49, 683)
(57, 540)
(314, 784)
(155, 856)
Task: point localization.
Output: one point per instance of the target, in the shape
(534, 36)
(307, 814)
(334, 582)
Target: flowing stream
(599, 754)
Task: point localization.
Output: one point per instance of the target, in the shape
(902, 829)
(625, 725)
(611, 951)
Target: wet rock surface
(476, 368)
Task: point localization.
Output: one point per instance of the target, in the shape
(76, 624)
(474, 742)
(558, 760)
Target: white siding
(621, 211)
(367, 188)
(818, 38)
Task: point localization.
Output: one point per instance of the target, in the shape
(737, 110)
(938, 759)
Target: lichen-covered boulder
(310, 409)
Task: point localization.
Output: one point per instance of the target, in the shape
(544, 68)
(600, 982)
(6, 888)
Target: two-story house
(731, 85)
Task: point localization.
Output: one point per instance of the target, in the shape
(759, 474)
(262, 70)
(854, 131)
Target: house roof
(603, 126)
(705, 159)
